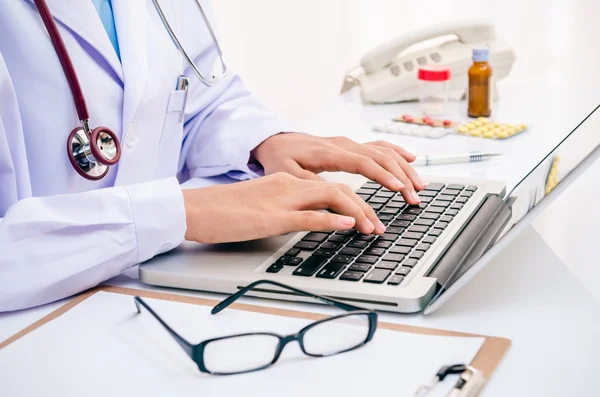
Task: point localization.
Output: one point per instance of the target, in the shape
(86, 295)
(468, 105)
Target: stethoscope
(93, 151)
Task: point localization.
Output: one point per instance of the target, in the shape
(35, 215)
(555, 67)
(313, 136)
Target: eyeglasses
(241, 353)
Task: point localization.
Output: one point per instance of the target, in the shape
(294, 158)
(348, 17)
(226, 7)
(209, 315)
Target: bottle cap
(434, 73)
(481, 54)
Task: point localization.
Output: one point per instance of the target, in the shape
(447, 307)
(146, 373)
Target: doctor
(61, 233)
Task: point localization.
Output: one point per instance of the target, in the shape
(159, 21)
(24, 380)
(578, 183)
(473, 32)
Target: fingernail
(381, 226)
(346, 221)
(396, 184)
(415, 196)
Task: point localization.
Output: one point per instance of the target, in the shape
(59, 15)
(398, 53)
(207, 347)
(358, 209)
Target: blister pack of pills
(428, 128)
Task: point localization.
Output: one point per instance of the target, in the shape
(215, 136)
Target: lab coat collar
(82, 19)
(130, 20)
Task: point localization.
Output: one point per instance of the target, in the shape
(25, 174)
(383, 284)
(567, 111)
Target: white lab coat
(61, 234)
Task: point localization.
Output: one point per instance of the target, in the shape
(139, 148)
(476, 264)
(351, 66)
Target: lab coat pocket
(172, 132)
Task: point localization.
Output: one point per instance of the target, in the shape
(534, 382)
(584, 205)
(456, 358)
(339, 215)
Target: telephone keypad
(422, 61)
(408, 66)
(436, 57)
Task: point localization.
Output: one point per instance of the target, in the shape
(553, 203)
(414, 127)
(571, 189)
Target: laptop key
(430, 215)
(324, 252)
(416, 255)
(380, 244)
(378, 200)
(406, 242)
(438, 203)
(466, 194)
(446, 219)
(412, 210)
(284, 259)
(370, 259)
(351, 275)
(371, 185)
(462, 199)
(423, 246)
(435, 186)
(400, 223)
(274, 268)
(429, 239)
(364, 237)
(377, 276)
(310, 266)
(294, 262)
(386, 265)
(406, 217)
(450, 192)
(349, 232)
(456, 206)
(435, 232)
(292, 252)
(452, 212)
(417, 229)
(395, 280)
(444, 197)
(441, 225)
(345, 259)
(394, 230)
(350, 251)
(455, 187)
(412, 235)
(360, 267)
(383, 193)
(388, 236)
(338, 238)
(435, 209)
(393, 258)
(390, 210)
(376, 206)
(366, 191)
(471, 188)
(385, 217)
(306, 245)
(399, 249)
(426, 199)
(424, 222)
(411, 262)
(427, 193)
(331, 245)
(331, 270)
(316, 237)
(403, 271)
(365, 197)
(375, 251)
(357, 244)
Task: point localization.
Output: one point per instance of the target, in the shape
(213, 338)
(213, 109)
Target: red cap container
(434, 73)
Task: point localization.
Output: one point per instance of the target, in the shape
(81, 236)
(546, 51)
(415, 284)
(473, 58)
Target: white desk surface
(527, 294)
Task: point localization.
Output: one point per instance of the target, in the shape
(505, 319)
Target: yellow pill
(502, 134)
(488, 134)
(517, 128)
(523, 126)
(496, 131)
(477, 123)
(485, 127)
(496, 124)
(484, 120)
(469, 126)
(462, 129)
(475, 132)
(511, 131)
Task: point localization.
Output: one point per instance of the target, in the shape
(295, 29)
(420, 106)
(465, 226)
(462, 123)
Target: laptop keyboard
(350, 256)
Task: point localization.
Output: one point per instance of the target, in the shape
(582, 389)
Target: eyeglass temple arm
(185, 345)
(228, 301)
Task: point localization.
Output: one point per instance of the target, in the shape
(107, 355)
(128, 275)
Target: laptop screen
(552, 173)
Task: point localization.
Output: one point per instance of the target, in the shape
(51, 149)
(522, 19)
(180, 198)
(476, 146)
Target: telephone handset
(388, 74)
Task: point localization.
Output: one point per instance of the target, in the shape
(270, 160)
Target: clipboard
(486, 361)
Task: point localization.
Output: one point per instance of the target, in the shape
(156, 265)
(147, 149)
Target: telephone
(388, 74)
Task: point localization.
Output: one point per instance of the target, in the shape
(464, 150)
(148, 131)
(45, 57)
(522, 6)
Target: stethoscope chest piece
(92, 154)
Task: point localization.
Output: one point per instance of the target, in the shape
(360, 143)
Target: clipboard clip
(469, 383)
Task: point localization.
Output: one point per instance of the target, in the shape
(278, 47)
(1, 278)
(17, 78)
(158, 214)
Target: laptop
(428, 253)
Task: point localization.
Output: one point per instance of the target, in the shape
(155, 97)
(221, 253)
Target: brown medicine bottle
(480, 84)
